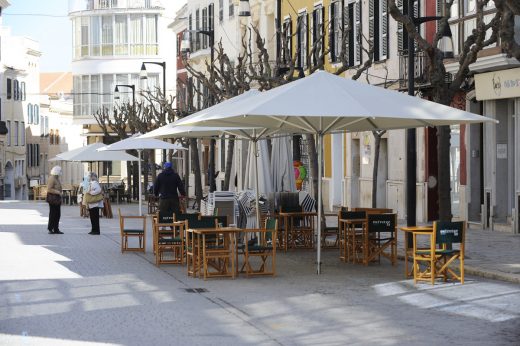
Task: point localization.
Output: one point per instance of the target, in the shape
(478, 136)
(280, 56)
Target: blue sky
(45, 21)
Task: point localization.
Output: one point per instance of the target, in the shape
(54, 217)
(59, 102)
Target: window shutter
(347, 25)
(332, 53)
(383, 51)
(358, 33)
(371, 29)
(290, 39)
(440, 12)
(306, 41)
(400, 28)
(417, 13)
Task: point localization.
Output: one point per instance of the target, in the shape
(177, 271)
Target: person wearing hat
(54, 199)
(167, 184)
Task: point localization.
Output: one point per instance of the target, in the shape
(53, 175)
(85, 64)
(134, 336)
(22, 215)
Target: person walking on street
(54, 192)
(94, 189)
(167, 184)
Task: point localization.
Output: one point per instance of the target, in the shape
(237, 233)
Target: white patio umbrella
(136, 142)
(253, 134)
(258, 177)
(323, 103)
(90, 153)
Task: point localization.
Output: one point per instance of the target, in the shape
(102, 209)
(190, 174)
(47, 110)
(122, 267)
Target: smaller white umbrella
(137, 142)
(90, 153)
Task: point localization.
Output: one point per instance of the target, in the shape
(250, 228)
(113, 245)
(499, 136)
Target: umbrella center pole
(320, 202)
(257, 203)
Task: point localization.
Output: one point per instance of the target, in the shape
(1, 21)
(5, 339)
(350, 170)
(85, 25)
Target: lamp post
(445, 44)
(117, 95)
(144, 75)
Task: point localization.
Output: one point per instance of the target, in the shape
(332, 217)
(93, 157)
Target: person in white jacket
(94, 189)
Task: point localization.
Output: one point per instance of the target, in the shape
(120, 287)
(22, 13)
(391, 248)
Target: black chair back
(291, 209)
(381, 223)
(449, 232)
(165, 217)
(353, 215)
(189, 217)
(204, 222)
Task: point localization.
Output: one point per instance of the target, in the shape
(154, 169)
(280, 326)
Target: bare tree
(442, 91)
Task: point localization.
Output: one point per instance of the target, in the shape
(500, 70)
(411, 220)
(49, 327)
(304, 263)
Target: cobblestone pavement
(77, 289)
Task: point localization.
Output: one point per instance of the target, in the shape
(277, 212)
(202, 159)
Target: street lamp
(244, 9)
(445, 44)
(117, 95)
(144, 75)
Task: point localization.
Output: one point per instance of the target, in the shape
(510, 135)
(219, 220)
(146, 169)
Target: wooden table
(417, 230)
(293, 233)
(196, 243)
(348, 243)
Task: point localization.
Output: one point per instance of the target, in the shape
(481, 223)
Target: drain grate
(196, 290)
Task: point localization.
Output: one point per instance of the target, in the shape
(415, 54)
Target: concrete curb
(485, 273)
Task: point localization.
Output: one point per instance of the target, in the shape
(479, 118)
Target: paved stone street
(77, 289)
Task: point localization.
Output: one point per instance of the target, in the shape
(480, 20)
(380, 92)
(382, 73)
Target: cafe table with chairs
(367, 234)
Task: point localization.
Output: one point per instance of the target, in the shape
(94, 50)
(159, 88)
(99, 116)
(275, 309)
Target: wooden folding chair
(169, 240)
(381, 235)
(355, 229)
(193, 247)
(448, 234)
(262, 248)
(435, 262)
(138, 232)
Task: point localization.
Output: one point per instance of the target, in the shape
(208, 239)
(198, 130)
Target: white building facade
(111, 41)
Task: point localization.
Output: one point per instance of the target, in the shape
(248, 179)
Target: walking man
(166, 186)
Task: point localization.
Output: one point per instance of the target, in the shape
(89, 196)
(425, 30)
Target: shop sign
(498, 85)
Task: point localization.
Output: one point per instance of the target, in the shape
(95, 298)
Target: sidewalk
(78, 289)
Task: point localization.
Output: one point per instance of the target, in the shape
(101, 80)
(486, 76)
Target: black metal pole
(411, 154)
(212, 143)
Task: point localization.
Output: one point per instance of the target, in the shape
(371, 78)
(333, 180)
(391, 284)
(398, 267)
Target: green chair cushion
(133, 231)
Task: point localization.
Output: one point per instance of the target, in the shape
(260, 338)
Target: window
(220, 11)
(9, 88)
(335, 31)
(402, 34)
(378, 28)
(317, 33)
(22, 91)
(23, 133)
(37, 154)
(51, 137)
(29, 113)
(8, 124)
(120, 35)
(84, 36)
(152, 47)
(287, 41)
(42, 126)
(197, 28)
(46, 125)
(352, 16)
(106, 36)
(95, 36)
(190, 35)
(16, 131)
(205, 27)
(211, 24)
(57, 137)
(231, 8)
(29, 155)
(302, 39)
(16, 90)
(36, 114)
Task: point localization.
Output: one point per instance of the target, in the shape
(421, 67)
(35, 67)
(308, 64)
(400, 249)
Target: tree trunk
(444, 181)
(136, 181)
(152, 163)
(377, 145)
(297, 155)
(211, 169)
(229, 161)
(185, 156)
(129, 176)
(196, 168)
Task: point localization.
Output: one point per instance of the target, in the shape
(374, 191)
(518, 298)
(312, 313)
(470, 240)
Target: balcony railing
(421, 66)
(90, 5)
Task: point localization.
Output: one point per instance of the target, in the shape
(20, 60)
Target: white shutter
(383, 22)
(331, 33)
(346, 21)
(357, 34)
(400, 32)
(371, 24)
